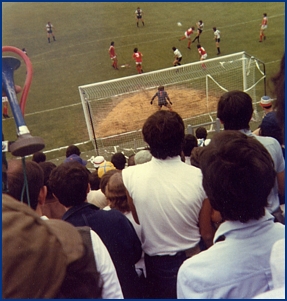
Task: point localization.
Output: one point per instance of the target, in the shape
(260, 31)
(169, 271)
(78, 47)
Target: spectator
(201, 135)
(119, 161)
(279, 90)
(143, 156)
(266, 104)
(39, 157)
(235, 111)
(166, 197)
(270, 128)
(131, 160)
(35, 191)
(238, 175)
(51, 208)
(80, 277)
(70, 185)
(190, 142)
(94, 180)
(115, 192)
(73, 154)
(97, 197)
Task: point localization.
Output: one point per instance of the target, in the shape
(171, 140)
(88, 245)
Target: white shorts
(263, 27)
(138, 63)
(203, 57)
(114, 57)
(186, 35)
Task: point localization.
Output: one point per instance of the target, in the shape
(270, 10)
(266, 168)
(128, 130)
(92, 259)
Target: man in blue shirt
(238, 174)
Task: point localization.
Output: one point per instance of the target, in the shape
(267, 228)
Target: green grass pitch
(84, 32)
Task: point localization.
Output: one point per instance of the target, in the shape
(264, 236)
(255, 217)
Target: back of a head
(163, 131)
(33, 261)
(143, 156)
(190, 142)
(115, 192)
(39, 157)
(238, 175)
(119, 161)
(47, 168)
(16, 180)
(270, 127)
(131, 160)
(105, 179)
(69, 183)
(94, 180)
(72, 150)
(201, 133)
(235, 110)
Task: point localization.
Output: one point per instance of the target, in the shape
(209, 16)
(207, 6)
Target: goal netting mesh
(115, 110)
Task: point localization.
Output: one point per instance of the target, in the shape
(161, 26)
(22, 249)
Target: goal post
(115, 110)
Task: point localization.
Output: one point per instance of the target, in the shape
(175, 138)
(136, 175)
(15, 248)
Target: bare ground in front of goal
(131, 111)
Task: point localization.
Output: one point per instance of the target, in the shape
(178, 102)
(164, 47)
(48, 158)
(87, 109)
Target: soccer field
(83, 35)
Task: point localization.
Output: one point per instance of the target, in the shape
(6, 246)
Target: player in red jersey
(113, 56)
(202, 54)
(263, 26)
(137, 56)
(187, 35)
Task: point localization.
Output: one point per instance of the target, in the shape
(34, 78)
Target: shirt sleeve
(111, 288)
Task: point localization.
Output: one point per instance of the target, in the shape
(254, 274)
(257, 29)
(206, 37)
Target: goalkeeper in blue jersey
(163, 99)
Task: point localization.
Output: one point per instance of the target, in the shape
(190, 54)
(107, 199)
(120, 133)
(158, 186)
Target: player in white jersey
(139, 16)
(200, 26)
(217, 39)
(177, 57)
(49, 29)
(263, 26)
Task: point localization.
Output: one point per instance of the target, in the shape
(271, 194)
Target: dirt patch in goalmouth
(132, 110)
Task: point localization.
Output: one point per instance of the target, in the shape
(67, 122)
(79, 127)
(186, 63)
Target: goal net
(115, 110)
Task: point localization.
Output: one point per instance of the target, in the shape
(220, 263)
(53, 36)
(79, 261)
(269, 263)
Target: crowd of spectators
(187, 217)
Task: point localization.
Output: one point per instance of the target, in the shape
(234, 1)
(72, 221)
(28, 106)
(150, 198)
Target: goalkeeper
(162, 98)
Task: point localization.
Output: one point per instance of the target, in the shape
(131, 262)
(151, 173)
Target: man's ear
(42, 195)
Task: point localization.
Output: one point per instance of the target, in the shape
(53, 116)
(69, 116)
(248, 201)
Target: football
(179, 24)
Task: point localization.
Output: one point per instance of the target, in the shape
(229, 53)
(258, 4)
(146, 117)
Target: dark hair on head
(105, 178)
(47, 168)
(278, 81)
(69, 183)
(214, 28)
(196, 156)
(238, 175)
(39, 157)
(173, 48)
(160, 88)
(270, 127)
(115, 192)
(163, 131)
(201, 132)
(72, 150)
(265, 14)
(112, 43)
(119, 161)
(189, 143)
(94, 180)
(198, 46)
(15, 177)
(234, 110)
(135, 50)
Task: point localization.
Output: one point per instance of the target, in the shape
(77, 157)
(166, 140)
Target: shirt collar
(229, 228)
